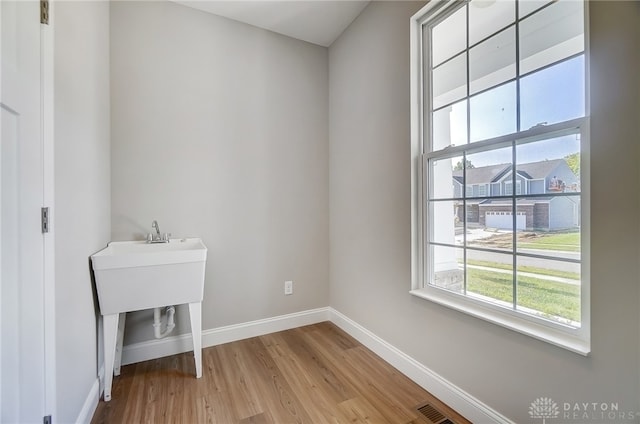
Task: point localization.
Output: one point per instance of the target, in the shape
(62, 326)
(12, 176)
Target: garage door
(504, 220)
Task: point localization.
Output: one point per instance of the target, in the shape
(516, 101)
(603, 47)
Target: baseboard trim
(153, 349)
(90, 404)
(449, 393)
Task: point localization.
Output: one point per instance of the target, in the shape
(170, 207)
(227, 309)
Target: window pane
(445, 222)
(552, 34)
(527, 6)
(497, 234)
(450, 81)
(489, 167)
(489, 224)
(554, 94)
(446, 182)
(553, 227)
(496, 226)
(449, 37)
(550, 166)
(493, 113)
(493, 61)
(490, 277)
(447, 268)
(550, 289)
(508, 188)
(487, 17)
(450, 126)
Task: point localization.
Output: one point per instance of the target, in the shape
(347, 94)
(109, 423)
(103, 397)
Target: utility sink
(135, 275)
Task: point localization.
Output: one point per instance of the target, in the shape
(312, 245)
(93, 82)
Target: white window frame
(469, 190)
(509, 183)
(577, 340)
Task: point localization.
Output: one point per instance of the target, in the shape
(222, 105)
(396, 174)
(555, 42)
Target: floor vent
(433, 415)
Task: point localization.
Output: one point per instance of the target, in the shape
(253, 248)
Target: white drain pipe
(170, 311)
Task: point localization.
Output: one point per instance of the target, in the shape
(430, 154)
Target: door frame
(49, 284)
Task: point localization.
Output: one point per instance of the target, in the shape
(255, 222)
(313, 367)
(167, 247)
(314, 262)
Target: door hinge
(44, 214)
(44, 12)
(46, 419)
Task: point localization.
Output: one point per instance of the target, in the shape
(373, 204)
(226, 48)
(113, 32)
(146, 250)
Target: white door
(22, 336)
(504, 220)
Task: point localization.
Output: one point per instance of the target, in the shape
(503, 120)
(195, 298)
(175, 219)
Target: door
(22, 336)
(504, 220)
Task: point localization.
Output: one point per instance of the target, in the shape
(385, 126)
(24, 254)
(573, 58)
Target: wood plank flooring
(312, 374)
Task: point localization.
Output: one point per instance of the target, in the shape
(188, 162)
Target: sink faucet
(155, 225)
(157, 237)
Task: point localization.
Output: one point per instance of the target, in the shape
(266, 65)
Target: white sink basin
(135, 275)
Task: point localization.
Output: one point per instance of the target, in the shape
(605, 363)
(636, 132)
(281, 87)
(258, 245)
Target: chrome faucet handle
(156, 227)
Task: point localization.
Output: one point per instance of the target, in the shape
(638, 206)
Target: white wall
(220, 130)
(82, 191)
(370, 224)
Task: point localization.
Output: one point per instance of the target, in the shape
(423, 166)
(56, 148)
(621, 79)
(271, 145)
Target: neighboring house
(485, 184)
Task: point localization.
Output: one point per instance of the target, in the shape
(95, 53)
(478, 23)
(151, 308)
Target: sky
(560, 88)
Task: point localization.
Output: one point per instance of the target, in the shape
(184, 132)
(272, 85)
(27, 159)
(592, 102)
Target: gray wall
(220, 130)
(82, 191)
(370, 223)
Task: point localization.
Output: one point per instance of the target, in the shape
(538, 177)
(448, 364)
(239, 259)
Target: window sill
(508, 319)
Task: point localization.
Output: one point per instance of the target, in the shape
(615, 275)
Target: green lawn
(551, 298)
(568, 242)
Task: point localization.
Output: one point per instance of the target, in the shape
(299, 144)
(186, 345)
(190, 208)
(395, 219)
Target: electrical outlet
(288, 287)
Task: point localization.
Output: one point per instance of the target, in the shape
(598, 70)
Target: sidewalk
(529, 274)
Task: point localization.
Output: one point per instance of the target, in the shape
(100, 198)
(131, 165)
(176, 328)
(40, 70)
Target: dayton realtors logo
(597, 411)
(545, 408)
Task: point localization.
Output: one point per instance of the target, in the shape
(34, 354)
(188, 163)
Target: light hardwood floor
(312, 374)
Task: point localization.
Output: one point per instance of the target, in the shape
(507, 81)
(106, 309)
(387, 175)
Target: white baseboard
(153, 349)
(456, 398)
(90, 403)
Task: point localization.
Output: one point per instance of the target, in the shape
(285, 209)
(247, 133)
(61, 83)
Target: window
(499, 100)
(508, 187)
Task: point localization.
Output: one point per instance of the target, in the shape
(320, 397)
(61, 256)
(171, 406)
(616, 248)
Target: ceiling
(315, 21)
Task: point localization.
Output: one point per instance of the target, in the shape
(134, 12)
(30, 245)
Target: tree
(573, 160)
(459, 165)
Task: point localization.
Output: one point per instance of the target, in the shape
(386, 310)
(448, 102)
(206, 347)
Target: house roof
(493, 173)
(483, 174)
(542, 169)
